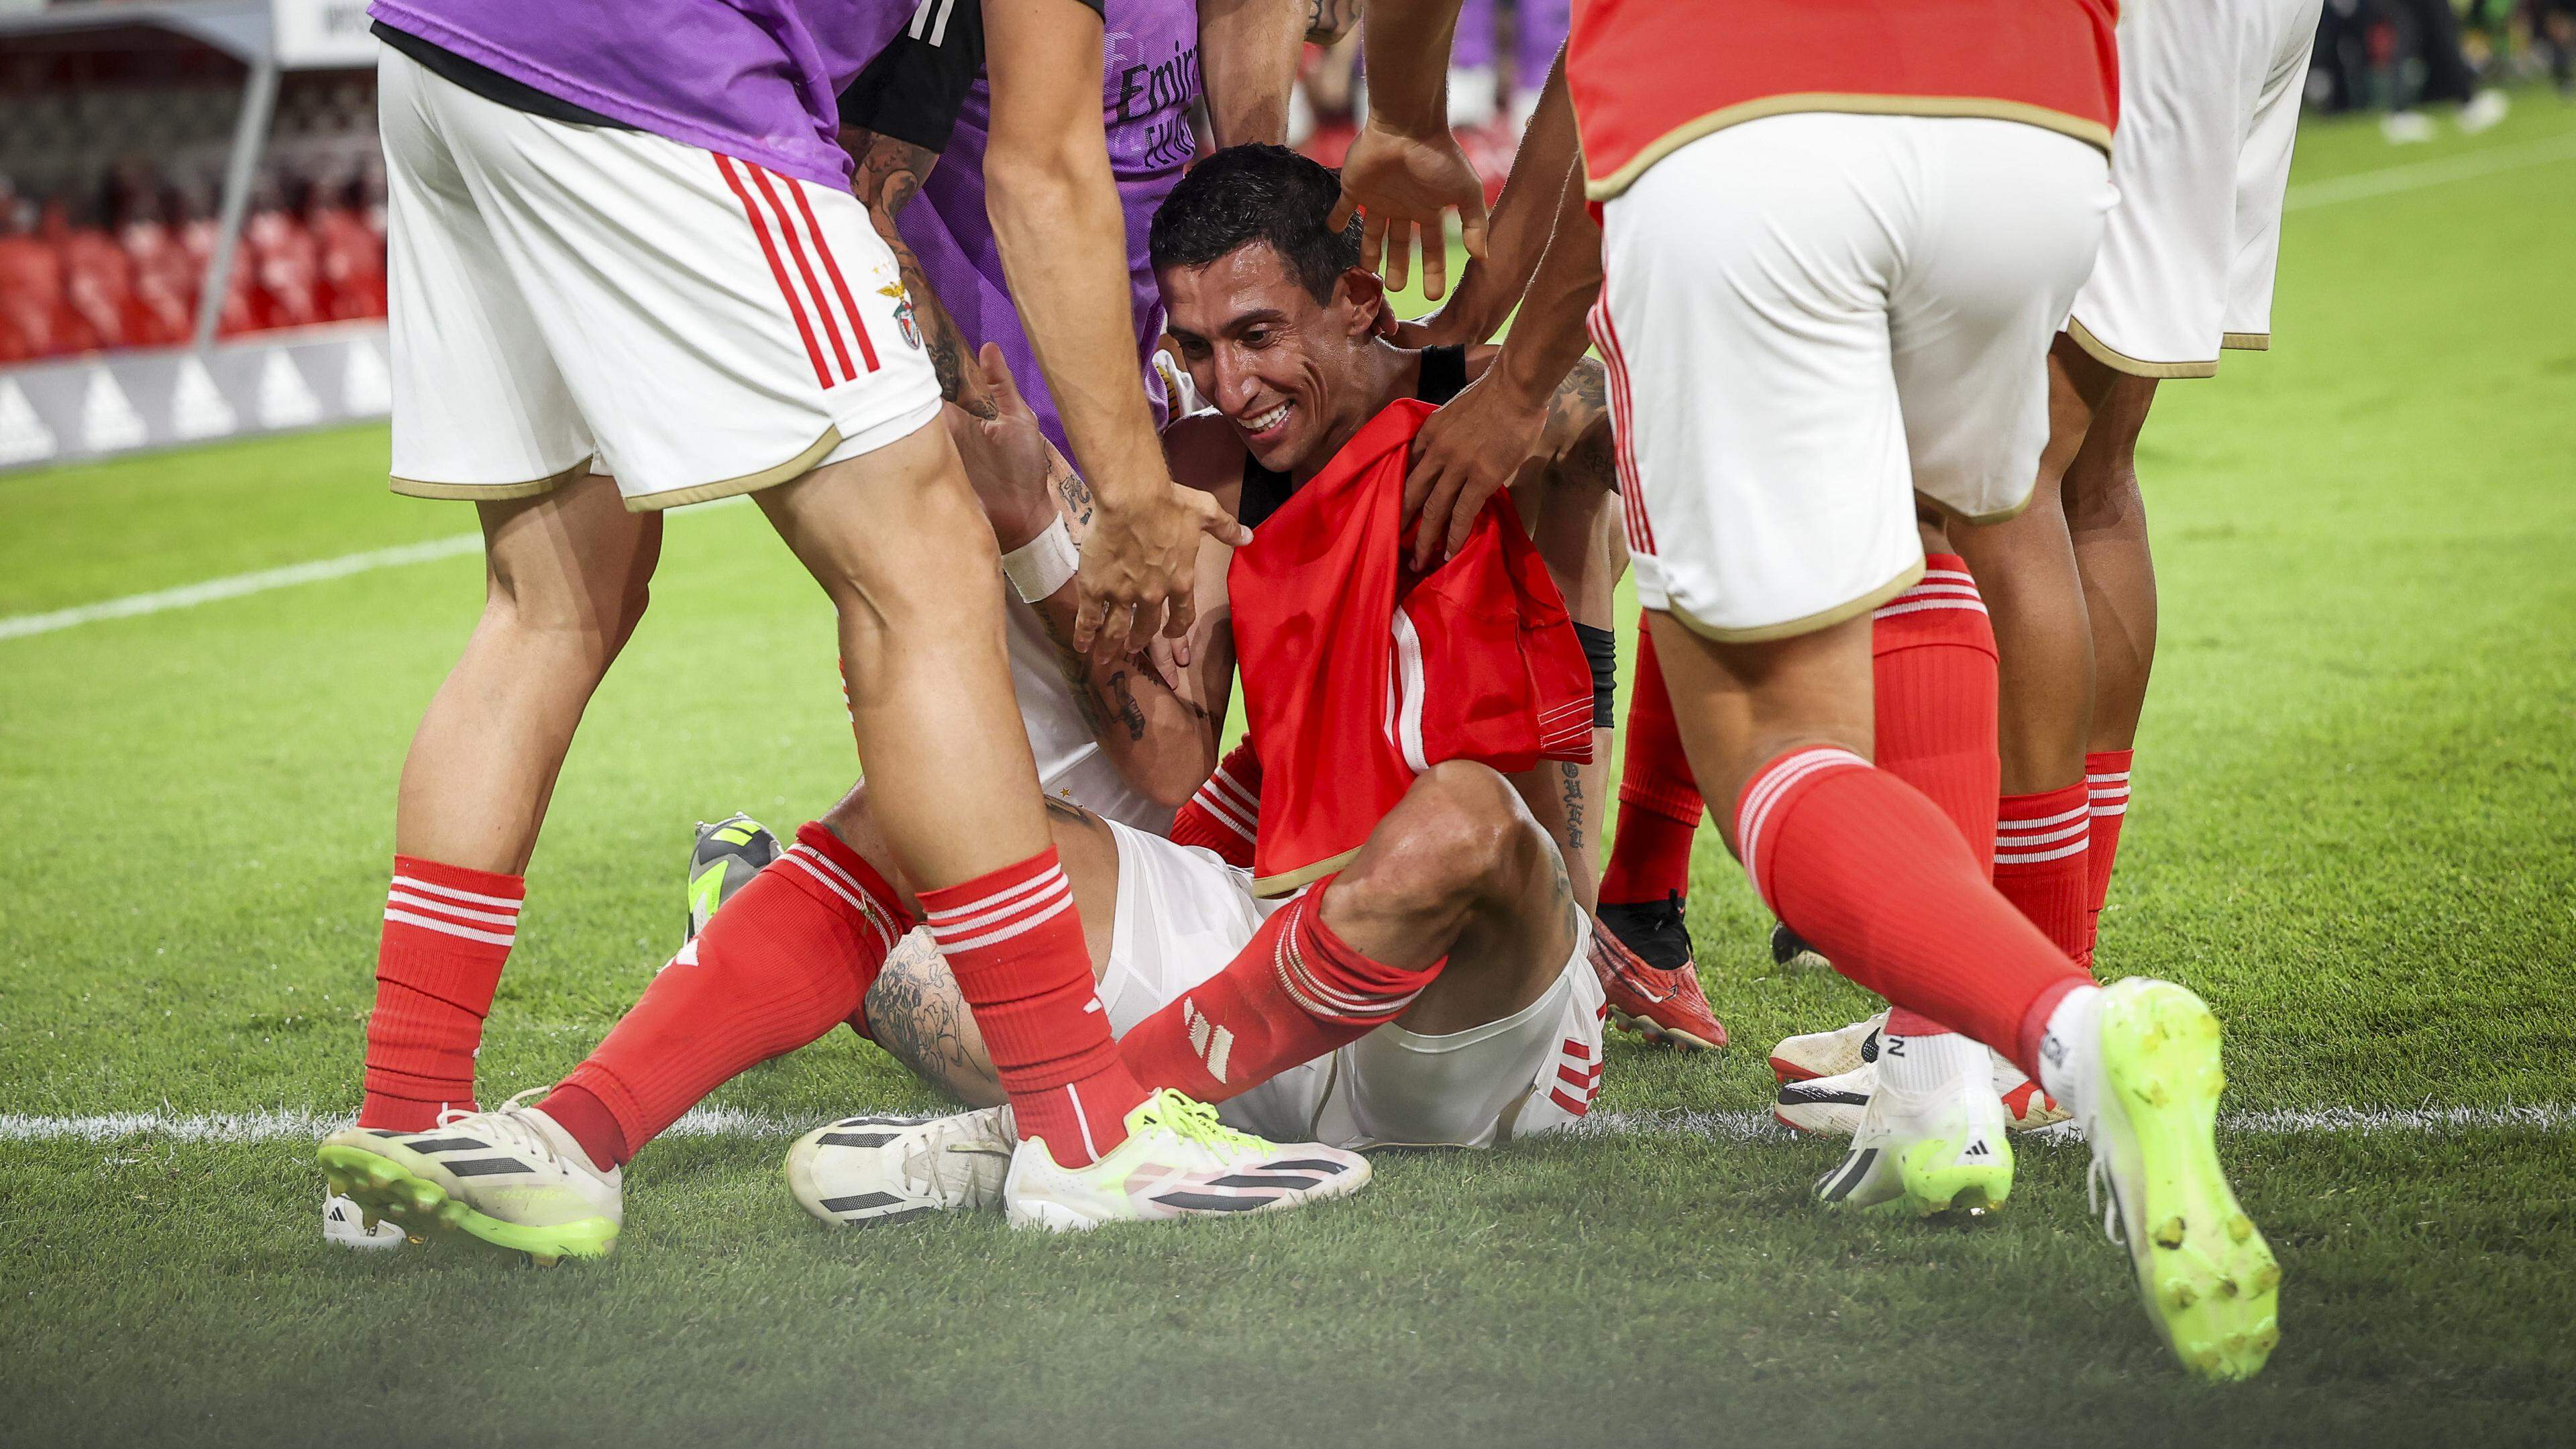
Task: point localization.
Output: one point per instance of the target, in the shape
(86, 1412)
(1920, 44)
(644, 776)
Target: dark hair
(1246, 194)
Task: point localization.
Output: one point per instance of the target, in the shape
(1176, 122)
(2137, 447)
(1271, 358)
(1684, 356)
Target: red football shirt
(1648, 76)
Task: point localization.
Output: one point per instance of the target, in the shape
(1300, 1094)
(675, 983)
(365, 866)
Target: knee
(1461, 833)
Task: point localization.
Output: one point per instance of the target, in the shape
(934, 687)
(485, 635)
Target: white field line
(189, 596)
(296, 1125)
(2413, 176)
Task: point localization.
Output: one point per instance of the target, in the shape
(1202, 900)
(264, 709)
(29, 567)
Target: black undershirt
(490, 84)
(1265, 490)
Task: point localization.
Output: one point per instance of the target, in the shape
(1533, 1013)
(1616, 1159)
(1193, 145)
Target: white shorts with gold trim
(569, 299)
(2209, 108)
(1183, 914)
(1811, 318)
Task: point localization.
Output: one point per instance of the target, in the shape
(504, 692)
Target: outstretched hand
(1403, 188)
(1465, 452)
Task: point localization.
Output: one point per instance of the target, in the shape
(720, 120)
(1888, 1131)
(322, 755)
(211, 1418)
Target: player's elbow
(1172, 777)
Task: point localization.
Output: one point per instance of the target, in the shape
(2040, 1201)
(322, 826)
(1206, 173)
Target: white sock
(1919, 1064)
(2067, 1047)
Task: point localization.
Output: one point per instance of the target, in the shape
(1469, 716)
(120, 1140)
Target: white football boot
(867, 1170)
(1178, 1161)
(2139, 1063)
(1832, 1106)
(511, 1178)
(345, 1225)
(1929, 1150)
(1828, 1053)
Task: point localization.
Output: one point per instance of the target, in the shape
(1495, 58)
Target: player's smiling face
(1286, 370)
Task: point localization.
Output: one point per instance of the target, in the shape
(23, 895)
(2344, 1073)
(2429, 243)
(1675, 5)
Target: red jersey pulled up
(1648, 76)
(1359, 674)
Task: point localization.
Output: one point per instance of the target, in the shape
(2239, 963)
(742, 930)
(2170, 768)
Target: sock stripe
(502, 903)
(1316, 998)
(1232, 791)
(995, 900)
(2011, 839)
(456, 912)
(2082, 844)
(1082, 1120)
(448, 928)
(1047, 890)
(1782, 773)
(855, 895)
(1023, 924)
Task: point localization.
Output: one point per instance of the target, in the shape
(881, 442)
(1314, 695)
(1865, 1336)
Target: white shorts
(1183, 914)
(1811, 318)
(568, 299)
(2209, 107)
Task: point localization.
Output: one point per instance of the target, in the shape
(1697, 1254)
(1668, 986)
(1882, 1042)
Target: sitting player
(1459, 869)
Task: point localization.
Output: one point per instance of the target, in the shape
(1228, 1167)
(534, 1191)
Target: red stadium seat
(353, 263)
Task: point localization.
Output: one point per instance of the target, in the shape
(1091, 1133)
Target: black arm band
(1601, 651)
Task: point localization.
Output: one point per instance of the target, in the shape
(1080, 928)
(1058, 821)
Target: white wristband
(1041, 566)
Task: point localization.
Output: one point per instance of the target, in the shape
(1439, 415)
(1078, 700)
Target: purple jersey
(754, 79)
(1150, 80)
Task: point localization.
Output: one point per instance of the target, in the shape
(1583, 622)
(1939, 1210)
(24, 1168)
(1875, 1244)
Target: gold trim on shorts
(787, 472)
(2118, 361)
(415, 488)
(1288, 880)
(2245, 341)
(1906, 578)
(2091, 133)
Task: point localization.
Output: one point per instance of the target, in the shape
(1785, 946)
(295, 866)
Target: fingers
(1142, 625)
(997, 376)
(1344, 208)
(1399, 253)
(1088, 617)
(1471, 233)
(1462, 520)
(1433, 529)
(1185, 612)
(1372, 242)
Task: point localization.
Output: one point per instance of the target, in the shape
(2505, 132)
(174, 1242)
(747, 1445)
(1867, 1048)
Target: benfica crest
(903, 314)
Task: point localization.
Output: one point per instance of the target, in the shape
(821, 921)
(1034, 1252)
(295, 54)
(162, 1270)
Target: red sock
(1868, 870)
(790, 957)
(1293, 993)
(2106, 787)
(2041, 865)
(1014, 942)
(1659, 801)
(1932, 666)
(447, 932)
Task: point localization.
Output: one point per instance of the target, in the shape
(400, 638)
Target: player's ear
(1363, 293)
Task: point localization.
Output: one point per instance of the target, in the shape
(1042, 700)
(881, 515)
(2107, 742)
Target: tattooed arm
(890, 173)
(1154, 716)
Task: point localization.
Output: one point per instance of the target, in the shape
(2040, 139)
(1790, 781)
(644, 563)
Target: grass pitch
(2353, 833)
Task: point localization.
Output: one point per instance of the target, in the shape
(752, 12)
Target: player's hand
(1404, 187)
(1464, 453)
(1140, 565)
(1327, 21)
(1447, 327)
(1005, 456)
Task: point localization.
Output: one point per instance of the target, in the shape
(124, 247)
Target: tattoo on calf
(1573, 781)
(916, 1014)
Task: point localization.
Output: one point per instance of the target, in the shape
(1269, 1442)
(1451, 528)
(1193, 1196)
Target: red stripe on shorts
(777, 269)
(832, 267)
(805, 269)
(1632, 498)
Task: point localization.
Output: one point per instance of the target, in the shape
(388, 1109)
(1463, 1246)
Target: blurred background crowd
(113, 146)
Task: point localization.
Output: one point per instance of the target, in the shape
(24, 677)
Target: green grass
(2353, 833)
